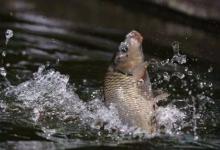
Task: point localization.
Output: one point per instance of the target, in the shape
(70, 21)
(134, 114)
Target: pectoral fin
(141, 75)
(139, 72)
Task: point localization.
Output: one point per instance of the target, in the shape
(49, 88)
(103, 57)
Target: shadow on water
(46, 109)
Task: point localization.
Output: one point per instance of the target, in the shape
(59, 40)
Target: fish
(127, 85)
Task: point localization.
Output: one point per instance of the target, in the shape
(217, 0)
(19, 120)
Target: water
(52, 71)
(8, 35)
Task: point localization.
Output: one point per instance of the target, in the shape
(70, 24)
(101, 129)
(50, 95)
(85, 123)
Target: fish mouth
(134, 37)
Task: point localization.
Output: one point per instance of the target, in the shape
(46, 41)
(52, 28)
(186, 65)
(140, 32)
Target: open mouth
(134, 35)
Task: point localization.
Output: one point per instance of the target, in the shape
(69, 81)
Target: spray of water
(190, 98)
(3, 64)
(51, 98)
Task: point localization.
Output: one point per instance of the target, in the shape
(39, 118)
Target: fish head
(129, 53)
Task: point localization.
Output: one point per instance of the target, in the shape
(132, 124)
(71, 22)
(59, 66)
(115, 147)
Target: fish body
(127, 85)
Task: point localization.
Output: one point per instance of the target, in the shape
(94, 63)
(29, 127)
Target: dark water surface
(53, 67)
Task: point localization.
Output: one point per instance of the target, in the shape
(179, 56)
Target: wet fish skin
(127, 85)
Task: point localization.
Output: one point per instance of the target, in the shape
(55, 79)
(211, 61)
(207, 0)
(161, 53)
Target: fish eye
(123, 47)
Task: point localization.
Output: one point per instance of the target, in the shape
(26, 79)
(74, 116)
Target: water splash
(51, 102)
(50, 97)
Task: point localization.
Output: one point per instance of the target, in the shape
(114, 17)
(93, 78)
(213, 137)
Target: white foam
(169, 118)
(49, 94)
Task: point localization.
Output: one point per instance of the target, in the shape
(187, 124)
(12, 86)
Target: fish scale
(135, 108)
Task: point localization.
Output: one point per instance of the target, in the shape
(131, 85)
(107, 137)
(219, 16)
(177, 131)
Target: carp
(127, 85)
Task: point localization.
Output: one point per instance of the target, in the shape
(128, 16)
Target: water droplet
(3, 71)
(190, 73)
(174, 89)
(176, 47)
(178, 58)
(186, 69)
(24, 53)
(200, 96)
(210, 84)
(84, 81)
(210, 69)
(198, 77)
(8, 34)
(190, 92)
(201, 85)
(8, 65)
(166, 76)
(184, 83)
(191, 80)
(164, 62)
(3, 53)
(57, 61)
(179, 75)
(196, 137)
(158, 76)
